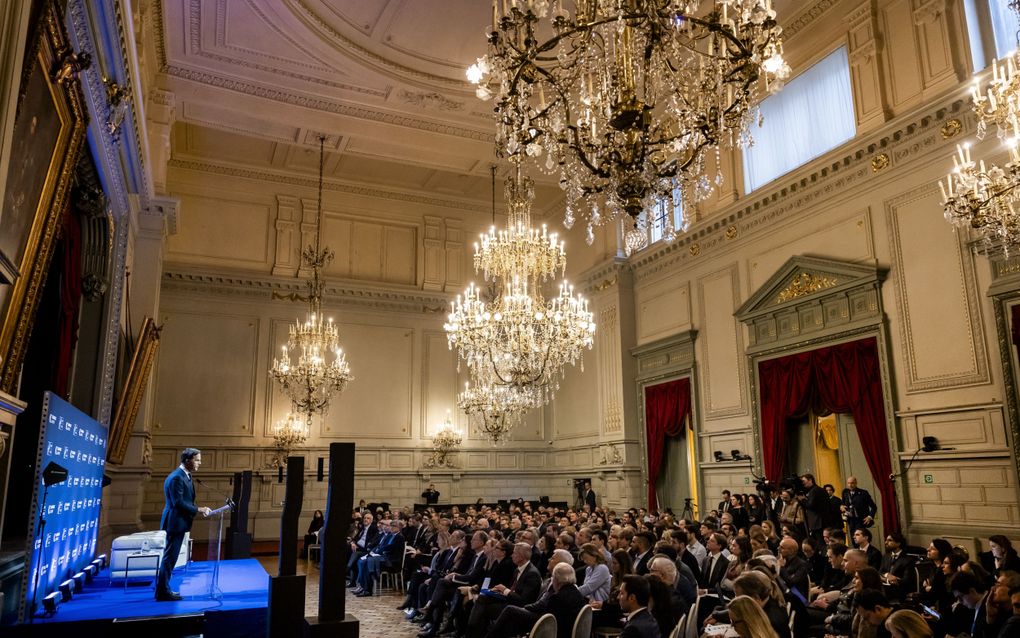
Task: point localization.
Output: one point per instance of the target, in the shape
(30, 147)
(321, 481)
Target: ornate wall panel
(905, 78)
(196, 393)
(848, 239)
(663, 308)
(936, 297)
(975, 492)
(439, 384)
(201, 237)
(722, 336)
(288, 234)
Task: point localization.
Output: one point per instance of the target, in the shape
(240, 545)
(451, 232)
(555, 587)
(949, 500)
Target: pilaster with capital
(865, 52)
(160, 114)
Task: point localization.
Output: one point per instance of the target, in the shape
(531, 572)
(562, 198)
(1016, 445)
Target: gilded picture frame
(130, 398)
(49, 134)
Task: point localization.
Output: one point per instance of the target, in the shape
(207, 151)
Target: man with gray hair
(563, 600)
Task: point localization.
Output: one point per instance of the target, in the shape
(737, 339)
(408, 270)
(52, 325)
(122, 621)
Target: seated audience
(748, 619)
(633, 598)
(597, 578)
(862, 541)
(907, 624)
(874, 609)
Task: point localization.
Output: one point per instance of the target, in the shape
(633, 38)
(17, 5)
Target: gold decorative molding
(879, 162)
(695, 249)
(804, 284)
(731, 231)
(951, 128)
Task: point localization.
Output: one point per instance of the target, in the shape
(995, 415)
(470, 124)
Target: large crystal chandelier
(496, 409)
(321, 369)
(518, 338)
(623, 97)
(985, 197)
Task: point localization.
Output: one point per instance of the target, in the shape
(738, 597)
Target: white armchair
(137, 555)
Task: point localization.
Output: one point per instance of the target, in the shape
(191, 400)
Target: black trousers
(166, 565)
(513, 621)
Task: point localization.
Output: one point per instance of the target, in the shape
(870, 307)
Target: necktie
(513, 583)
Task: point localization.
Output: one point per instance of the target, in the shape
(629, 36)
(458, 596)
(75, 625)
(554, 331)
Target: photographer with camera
(814, 501)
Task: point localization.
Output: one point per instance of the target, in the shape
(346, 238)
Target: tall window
(992, 29)
(814, 113)
(662, 209)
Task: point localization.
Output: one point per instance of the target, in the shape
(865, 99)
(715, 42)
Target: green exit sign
(928, 478)
(747, 480)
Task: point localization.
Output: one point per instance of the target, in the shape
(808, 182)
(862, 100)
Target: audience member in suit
(858, 507)
(668, 605)
(365, 540)
(179, 512)
(523, 589)
(999, 610)
(898, 566)
(862, 539)
(713, 568)
(562, 600)
(642, 546)
(589, 496)
(874, 609)
(973, 595)
(388, 552)
(815, 502)
(633, 598)
(447, 543)
(724, 504)
(430, 495)
(794, 571)
(467, 572)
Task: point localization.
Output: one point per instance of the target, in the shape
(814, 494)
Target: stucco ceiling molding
(905, 140)
(327, 106)
(220, 35)
(343, 293)
(349, 48)
(308, 182)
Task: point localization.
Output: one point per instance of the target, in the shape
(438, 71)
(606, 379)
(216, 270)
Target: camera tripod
(689, 508)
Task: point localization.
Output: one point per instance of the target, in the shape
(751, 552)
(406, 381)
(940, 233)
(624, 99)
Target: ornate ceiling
(255, 82)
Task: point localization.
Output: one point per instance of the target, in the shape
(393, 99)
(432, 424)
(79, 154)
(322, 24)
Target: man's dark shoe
(169, 596)
(363, 594)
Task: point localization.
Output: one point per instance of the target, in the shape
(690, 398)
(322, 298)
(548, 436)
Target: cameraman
(815, 501)
(859, 508)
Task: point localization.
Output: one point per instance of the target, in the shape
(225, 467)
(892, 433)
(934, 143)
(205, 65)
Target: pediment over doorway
(811, 297)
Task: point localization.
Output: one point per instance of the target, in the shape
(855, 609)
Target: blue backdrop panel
(75, 441)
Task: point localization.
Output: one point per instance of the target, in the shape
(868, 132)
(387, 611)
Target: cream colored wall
(945, 370)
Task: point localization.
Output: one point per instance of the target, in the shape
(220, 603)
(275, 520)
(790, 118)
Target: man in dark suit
(859, 508)
(365, 540)
(713, 568)
(642, 545)
(589, 496)
(862, 539)
(793, 570)
(388, 552)
(563, 600)
(898, 566)
(724, 504)
(178, 514)
(523, 590)
(634, 595)
(431, 495)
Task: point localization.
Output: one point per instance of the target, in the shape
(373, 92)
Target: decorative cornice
(603, 276)
(341, 293)
(904, 140)
(808, 16)
(308, 182)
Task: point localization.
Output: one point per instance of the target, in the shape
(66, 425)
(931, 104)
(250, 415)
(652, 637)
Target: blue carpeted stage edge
(244, 583)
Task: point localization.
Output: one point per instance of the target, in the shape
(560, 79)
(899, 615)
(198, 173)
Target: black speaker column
(333, 619)
(238, 538)
(287, 590)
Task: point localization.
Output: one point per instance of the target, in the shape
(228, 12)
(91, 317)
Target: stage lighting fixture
(79, 582)
(66, 590)
(50, 602)
(930, 444)
(718, 456)
(53, 474)
(100, 561)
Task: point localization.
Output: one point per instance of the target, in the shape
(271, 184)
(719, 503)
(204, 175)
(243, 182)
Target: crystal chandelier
(444, 442)
(289, 432)
(321, 368)
(624, 97)
(496, 409)
(981, 197)
(518, 338)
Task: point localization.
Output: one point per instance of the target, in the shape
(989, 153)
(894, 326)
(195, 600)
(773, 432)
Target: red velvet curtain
(667, 408)
(70, 300)
(841, 378)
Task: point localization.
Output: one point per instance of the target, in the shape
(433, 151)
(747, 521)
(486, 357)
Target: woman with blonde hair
(748, 619)
(907, 624)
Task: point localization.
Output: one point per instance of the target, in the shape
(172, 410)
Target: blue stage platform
(241, 610)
